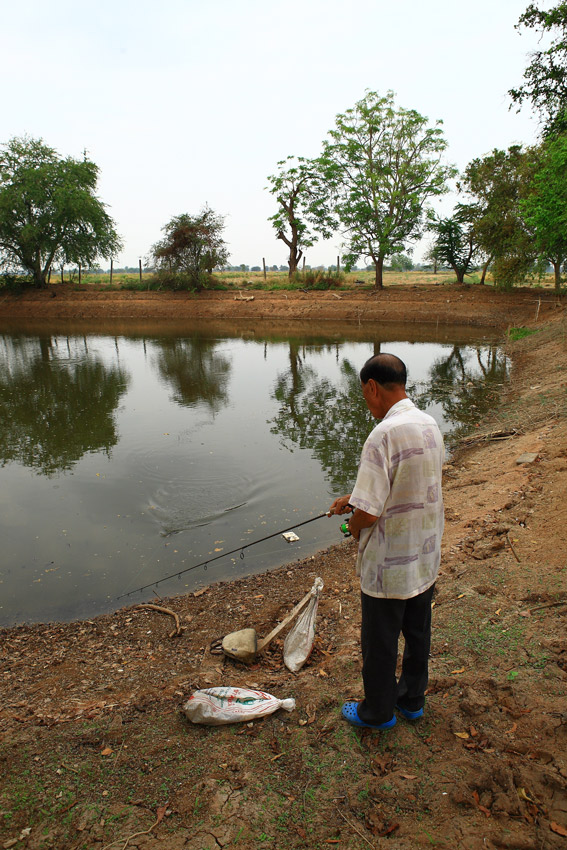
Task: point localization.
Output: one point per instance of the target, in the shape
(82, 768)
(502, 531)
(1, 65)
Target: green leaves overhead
(372, 182)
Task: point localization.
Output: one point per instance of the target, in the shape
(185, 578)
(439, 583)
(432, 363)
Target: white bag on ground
(219, 706)
(299, 641)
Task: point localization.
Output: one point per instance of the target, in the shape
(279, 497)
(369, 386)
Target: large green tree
(495, 185)
(382, 163)
(545, 78)
(302, 210)
(545, 206)
(49, 212)
(192, 246)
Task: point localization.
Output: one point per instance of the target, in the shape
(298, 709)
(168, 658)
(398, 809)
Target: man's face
(373, 397)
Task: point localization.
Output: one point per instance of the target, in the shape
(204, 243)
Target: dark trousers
(382, 622)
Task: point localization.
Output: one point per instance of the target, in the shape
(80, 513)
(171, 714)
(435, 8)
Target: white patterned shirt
(399, 481)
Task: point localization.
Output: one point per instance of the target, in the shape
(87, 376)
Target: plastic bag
(219, 706)
(299, 641)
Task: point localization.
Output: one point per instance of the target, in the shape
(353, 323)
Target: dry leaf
(523, 796)
(463, 735)
(408, 776)
(107, 751)
(556, 827)
(460, 670)
(512, 729)
(160, 814)
(460, 596)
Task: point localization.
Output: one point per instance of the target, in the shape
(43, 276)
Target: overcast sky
(184, 103)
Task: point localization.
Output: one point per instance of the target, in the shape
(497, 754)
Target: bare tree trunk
(557, 275)
(484, 270)
(379, 268)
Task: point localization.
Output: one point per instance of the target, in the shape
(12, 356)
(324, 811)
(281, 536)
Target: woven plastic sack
(219, 706)
(299, 641)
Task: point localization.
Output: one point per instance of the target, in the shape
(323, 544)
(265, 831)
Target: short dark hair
(386, 369)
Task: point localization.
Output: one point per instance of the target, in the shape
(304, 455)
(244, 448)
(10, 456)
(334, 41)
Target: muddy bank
(94, 748)
(438, 304)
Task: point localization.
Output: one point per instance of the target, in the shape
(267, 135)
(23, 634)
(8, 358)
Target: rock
(527, 457)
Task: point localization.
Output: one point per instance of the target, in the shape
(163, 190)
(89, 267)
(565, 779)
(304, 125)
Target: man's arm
(358, 521)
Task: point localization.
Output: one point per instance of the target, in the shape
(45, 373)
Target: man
(398, 522)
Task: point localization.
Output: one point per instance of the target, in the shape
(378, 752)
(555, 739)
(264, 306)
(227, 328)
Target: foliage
(302, 210)
(455, 241)
(545, 207)
(381, 165)
(191, 248)
(545, 78)
(495, 185)
(49, 212)
(401, 263)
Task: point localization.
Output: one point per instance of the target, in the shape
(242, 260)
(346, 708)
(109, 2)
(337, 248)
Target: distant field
(280, 280)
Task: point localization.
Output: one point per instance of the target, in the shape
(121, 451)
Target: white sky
(187, 102)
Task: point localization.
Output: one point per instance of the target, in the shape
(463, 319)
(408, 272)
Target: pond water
(132, 453)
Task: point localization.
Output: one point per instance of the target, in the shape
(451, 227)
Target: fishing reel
(345, 531)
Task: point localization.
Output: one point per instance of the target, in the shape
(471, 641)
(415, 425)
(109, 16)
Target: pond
(131, 453)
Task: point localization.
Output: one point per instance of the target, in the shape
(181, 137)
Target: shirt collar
(399, 407)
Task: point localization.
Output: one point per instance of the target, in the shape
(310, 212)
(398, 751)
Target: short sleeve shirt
(399, 481)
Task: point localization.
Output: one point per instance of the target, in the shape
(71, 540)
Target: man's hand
(340, 506)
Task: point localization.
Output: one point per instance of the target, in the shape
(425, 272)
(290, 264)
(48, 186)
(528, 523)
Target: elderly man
(398, 522)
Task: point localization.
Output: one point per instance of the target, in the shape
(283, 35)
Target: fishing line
(208, 561)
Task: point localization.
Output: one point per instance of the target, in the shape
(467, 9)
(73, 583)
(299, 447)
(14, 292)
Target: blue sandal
(350, 712)
(410, 715)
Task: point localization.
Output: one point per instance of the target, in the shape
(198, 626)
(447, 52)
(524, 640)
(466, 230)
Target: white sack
(219, 706)
(299, 641)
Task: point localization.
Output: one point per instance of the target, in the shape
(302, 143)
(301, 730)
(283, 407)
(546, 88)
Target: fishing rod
(223, 555)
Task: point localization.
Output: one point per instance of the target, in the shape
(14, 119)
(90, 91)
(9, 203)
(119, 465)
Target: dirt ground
(96, 752)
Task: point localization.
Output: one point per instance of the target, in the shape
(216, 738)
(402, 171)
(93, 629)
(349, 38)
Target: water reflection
(332, 420)
(174, 446)
(329, 418)
(196, 371)
(465, 385)
(57, 402)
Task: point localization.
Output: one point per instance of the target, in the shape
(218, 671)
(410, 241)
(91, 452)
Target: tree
(191, 248)
(545, 207)
(495, 185)
(455, 242)
(400, 263)
(545, 78)
(381, 166)
(49, 212)
(302, 211)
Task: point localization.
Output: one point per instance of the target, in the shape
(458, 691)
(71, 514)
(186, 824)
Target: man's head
(383, 378)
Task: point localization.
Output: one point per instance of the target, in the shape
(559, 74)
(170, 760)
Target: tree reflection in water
(55, 404)
(333, 421)
(195, 370)
(466, 387)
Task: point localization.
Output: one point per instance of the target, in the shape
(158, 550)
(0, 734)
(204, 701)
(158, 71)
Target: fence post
(338, 265)
(140, 266)
(264, 264)
(111, 270)
(79, 274)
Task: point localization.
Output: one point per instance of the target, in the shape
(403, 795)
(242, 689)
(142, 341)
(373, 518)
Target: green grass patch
(515, 334)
